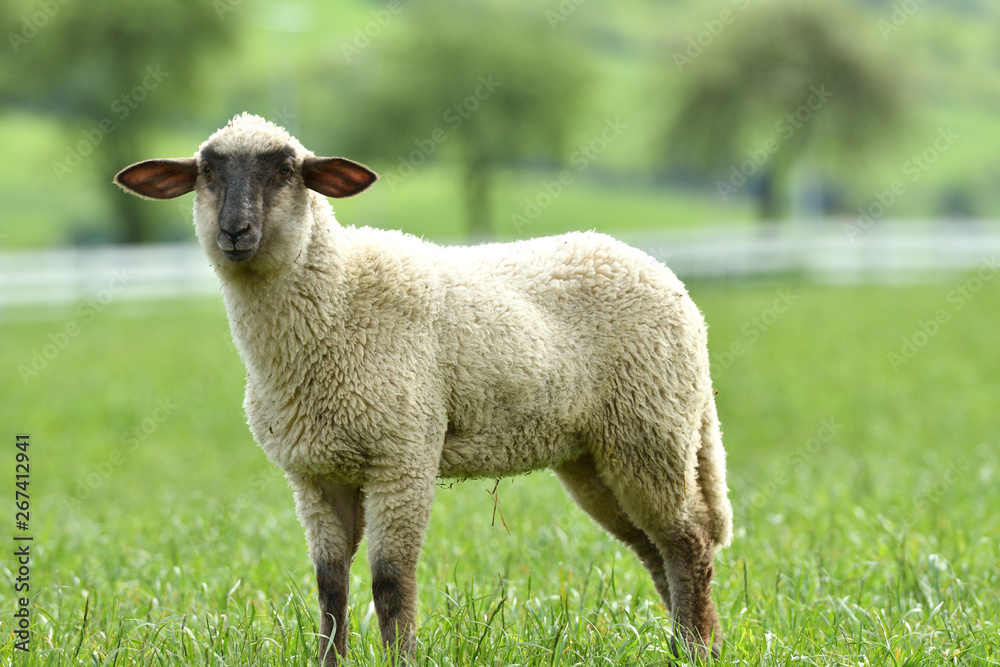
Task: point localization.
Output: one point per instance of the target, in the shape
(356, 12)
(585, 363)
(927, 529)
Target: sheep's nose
(235, 235)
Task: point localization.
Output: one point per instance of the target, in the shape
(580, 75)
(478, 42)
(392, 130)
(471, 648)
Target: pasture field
(865, 487)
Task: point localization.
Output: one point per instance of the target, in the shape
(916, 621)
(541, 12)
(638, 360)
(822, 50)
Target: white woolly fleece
(383, 361)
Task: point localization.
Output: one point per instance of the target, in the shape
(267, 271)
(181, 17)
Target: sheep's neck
(277, 321)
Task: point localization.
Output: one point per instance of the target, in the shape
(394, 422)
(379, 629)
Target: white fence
(821, 251)
(67, 275)
(831, 252)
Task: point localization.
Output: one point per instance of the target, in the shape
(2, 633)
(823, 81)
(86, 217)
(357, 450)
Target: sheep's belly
(481, 455)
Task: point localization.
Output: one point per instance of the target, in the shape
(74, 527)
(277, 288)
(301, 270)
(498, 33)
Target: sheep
(378, 363)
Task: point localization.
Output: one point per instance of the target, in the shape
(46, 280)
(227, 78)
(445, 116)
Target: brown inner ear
(159, 179)
(336, 176)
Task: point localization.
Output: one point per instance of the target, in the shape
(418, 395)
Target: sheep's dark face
(252, 178)
(244, 188)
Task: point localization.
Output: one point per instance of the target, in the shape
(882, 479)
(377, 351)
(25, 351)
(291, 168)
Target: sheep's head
(250, 179)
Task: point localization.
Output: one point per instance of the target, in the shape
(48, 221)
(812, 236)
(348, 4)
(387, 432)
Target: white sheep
(378, 362)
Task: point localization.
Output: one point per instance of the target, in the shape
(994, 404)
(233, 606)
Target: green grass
(870, 543)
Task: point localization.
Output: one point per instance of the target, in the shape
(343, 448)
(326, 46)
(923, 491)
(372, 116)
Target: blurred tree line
(484, 81)
(93, 65)
(792, 80)
(488, 85)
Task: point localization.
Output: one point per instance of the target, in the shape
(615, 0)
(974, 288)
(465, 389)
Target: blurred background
(663, 115)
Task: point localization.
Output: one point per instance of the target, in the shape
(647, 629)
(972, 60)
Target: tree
(95, 63)
(783, 80)
(488, 82)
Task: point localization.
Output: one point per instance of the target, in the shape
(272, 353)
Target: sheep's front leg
(334, 519)
(399, 510)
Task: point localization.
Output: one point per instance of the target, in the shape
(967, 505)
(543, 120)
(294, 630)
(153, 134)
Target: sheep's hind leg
(581, 480)
(333, 515)
(399, 510)
(688, 554)
(684, 538)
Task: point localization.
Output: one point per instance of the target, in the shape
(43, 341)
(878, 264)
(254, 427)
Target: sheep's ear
(159, 179)
(336, 176)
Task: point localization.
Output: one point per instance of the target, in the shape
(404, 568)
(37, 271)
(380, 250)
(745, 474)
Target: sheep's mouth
(239, 255)
(240, 246)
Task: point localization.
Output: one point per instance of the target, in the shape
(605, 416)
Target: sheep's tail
(712, 476)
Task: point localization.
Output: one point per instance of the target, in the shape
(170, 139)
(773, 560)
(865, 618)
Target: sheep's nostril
(236, 235)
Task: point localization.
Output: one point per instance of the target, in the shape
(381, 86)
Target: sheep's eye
(206, 169)
(285, 170)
